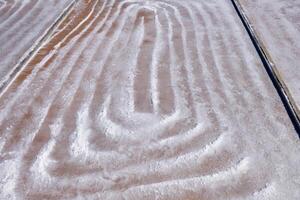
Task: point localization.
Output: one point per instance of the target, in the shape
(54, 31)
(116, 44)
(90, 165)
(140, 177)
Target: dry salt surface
(144, 100)
(278, 26)
(22, 23)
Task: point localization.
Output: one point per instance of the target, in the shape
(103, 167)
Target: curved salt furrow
(22, 23)
(277, 25)
(146, 99)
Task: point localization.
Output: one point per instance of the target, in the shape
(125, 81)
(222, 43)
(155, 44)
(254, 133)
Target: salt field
(22, 25)
(145, 99)
(278, 26)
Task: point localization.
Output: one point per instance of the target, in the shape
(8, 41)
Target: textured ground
(278, 25)
(136, 99)
(22, 23)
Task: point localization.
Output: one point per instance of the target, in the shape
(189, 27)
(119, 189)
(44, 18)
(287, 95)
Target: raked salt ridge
(137, 99)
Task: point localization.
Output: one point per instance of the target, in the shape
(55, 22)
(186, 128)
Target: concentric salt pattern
(136, 99)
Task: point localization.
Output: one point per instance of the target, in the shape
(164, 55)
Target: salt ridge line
(187, 63)
(20, 21)
(182, 68)
(204, 92)
(198, 162)
(84, 133)
(162, 103)
(167, 189)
